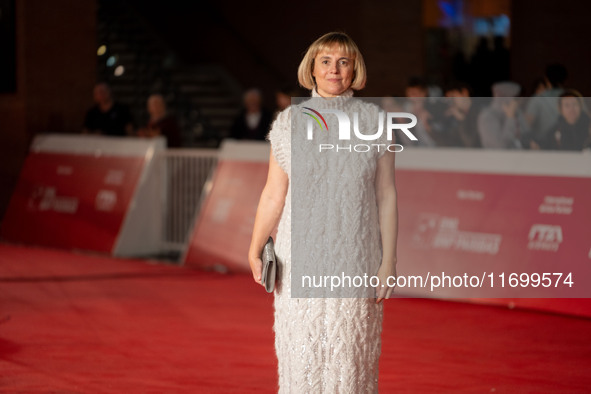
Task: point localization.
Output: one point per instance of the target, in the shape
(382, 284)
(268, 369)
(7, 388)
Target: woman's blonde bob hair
(327, 41)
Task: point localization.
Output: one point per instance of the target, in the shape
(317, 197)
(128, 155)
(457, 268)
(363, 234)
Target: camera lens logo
(316, 118)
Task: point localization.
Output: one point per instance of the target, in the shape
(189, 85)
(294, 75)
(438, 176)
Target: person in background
(460, 126)
(501, 125)
(254, 121)
(572, 130)
(538, 86)
(500, 59)
(107, 117)
(283, 98)
(161, 122)
(541, 112)
(482, 72)
(417, 92)
(390, 104)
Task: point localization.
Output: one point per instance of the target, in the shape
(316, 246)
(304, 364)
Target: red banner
(506, 222)
(509, 230)
(71, 201)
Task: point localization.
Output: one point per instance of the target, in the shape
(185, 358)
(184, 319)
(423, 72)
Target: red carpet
(74, 323)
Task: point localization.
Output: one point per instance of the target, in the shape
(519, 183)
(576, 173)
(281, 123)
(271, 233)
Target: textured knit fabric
(328, 345)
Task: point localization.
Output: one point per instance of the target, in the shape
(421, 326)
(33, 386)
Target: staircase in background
(204, 98)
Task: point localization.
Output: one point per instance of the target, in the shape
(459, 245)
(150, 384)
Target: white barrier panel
(89, 193)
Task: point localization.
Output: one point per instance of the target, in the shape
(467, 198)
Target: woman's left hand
(384, 291)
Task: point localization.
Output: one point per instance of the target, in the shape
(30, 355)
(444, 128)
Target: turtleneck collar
(346, 93)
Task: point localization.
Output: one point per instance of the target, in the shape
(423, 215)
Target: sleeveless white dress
(328, 345)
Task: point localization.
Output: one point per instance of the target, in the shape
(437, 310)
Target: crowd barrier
(460, 211)
(120, 196)
(82, 192)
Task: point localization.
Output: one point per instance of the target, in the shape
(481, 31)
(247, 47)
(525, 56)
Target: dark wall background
(7, 46)
(262, 43)
(546, 31)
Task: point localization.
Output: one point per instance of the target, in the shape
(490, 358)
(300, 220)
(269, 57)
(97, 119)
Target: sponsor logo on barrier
(221, 210)
(545, 237)
(46, 199)
(114, 177)
(474, 195)
(344, 129)
(105, 200)
(440, 232)
(557, 205)
(64, 170)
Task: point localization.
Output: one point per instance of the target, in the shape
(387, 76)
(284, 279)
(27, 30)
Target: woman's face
(333, 71)
(570, 109)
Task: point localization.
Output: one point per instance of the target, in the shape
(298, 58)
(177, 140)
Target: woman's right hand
(256, 266)
(268, 215)
(385, 274)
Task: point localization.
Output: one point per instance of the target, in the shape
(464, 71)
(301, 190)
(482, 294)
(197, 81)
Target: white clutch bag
(269, 266)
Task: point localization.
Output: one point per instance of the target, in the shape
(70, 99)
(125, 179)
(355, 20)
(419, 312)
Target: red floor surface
(74, 323)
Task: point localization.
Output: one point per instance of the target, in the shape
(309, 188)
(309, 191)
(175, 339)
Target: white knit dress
(328, 345)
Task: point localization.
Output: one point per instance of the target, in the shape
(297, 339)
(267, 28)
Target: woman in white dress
(328, 344)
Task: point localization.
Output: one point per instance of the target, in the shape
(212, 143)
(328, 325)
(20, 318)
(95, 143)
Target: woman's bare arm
(268, 214)
(386, 198)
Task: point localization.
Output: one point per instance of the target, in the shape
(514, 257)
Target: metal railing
(185, 173)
